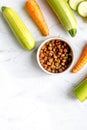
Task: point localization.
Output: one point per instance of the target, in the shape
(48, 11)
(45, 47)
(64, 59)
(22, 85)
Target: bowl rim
(54, 38)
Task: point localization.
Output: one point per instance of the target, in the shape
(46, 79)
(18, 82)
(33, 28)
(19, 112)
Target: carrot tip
(73, 71)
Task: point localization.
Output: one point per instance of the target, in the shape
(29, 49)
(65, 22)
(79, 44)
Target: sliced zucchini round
(73, 3)
(82, 8)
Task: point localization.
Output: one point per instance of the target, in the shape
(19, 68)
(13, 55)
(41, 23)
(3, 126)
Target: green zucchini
(65, 15)
(74, 3)
(18, 27)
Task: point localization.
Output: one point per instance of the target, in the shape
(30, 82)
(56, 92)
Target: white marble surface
(29, 98)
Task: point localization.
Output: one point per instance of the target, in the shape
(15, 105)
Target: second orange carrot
(35, 12)
(81, 62)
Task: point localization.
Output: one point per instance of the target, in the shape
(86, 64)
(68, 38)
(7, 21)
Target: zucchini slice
(73, 3)
(82, 9)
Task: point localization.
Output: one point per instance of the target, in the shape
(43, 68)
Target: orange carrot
(34, 10)
(81, 62)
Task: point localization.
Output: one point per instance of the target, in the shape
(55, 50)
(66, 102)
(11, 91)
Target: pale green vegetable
(82, 8)
(65, 15)
(81, 90)
(18, 27)
(74, 3)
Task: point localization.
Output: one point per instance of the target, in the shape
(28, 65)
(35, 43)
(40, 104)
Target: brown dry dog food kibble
(55, 56)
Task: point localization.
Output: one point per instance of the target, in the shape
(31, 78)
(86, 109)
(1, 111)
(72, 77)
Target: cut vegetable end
(74, 3)
(73, 32)
(82, 9)
(80, 97)
(3, 8)
(72, 6)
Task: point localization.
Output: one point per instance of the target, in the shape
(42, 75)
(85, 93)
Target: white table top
(29, 98)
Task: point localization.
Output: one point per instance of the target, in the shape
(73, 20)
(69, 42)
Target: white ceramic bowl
(39, 49)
